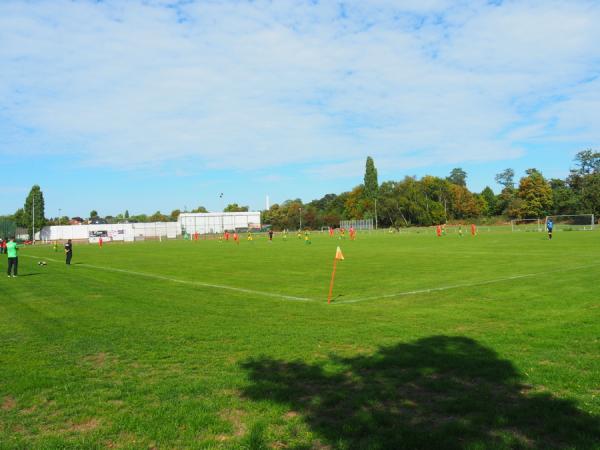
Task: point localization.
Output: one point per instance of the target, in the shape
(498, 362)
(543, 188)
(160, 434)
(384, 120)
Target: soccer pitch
(490, 341)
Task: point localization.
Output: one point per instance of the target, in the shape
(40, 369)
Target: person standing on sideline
(100, 242)
(68, 252)
(270, 235)
(1, 246)
(549, 227)
(13, 258)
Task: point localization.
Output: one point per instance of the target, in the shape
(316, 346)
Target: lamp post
(300, 211)
(33, 220)
(222, 212)
(59, 216)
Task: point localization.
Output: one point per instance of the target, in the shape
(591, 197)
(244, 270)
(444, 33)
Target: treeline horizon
(412, 201)
(433, 200)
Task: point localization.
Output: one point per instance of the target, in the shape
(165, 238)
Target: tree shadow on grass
(437, 392)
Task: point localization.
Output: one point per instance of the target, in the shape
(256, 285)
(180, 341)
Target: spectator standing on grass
(1, 246)
(270, 235)
(13, 258)
(549, 227)
(68, 252)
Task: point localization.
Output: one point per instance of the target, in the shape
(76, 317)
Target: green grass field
(486, 342)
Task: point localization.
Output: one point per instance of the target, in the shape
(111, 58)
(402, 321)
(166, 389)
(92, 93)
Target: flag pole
(332, 279)
(338, 256)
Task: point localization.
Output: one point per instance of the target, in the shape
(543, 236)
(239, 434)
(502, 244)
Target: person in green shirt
(12, 249)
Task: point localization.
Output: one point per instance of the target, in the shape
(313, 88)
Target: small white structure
(205, 223)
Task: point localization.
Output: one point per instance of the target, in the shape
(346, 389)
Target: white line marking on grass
(192, 283)
(457, 286)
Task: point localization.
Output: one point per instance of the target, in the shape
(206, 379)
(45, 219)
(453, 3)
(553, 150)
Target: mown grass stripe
(189, 282)
(458, 286)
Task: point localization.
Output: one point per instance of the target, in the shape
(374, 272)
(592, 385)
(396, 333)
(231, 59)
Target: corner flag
(339, 256)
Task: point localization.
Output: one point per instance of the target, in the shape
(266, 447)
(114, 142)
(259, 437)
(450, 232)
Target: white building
(110, 232)
(204, 223)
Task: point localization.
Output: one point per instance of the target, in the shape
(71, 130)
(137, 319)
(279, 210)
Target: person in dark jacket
(68, 252)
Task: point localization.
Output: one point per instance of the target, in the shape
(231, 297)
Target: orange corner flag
(339, 256)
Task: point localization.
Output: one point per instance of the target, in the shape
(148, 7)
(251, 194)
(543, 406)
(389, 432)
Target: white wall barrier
(202, 223)
(125, 232)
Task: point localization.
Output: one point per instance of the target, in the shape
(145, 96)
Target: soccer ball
(41, 263)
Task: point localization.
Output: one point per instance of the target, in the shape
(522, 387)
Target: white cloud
(256, 84)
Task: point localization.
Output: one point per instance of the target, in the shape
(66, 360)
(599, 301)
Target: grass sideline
(486, 342)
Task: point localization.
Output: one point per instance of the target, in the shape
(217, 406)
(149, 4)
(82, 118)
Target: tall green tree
(505, 201)
(506, 178)
(371, 185)
(464, 203)
(490, 200)
(458, 176)
(356, 203)
(587, 162)
(19, 217)
(370, 189)
(590, 196)
(536, 195)
(33, 211)
(93, 214)
(564, 199)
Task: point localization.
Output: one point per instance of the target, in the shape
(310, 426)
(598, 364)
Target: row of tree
(433, 200)
(408, 202)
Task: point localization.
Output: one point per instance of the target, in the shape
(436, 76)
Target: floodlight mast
(33, 220)
(222, 212)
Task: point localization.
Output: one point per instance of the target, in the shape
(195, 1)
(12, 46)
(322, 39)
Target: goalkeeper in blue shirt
(549, 227)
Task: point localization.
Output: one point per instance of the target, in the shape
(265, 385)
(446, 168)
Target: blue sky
(156, 104)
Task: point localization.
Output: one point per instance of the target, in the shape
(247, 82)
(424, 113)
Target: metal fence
(363, 224)
(8, 228)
